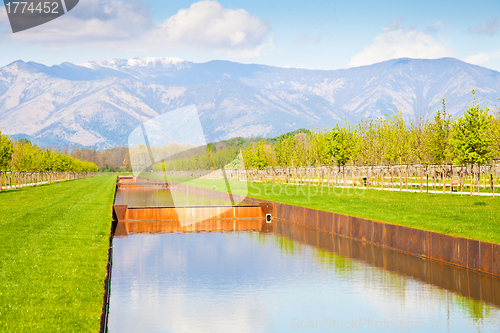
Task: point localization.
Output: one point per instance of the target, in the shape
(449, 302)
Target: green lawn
(465, 216)
(53, 248)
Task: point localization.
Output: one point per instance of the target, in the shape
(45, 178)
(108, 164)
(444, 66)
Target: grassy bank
(465, 216)
(53, 249)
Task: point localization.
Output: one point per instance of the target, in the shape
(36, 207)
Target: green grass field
(53, 248)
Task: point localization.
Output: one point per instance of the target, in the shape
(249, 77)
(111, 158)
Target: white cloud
(396, 42)
(129, 25)
(208, 25)
(490, 27)
(479, 58)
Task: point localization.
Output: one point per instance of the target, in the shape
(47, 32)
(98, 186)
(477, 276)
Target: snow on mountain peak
(139, 62)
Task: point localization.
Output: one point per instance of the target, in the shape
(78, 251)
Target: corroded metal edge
(475, 255)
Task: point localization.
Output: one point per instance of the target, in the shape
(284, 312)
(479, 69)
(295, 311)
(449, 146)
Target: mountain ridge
(99, 103)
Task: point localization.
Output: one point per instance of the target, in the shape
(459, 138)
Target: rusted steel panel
(441, 247)
(412, 240)
(344, 225)
(335, 223)
(496, 259)
(323, 222)
(459, 255)
(280, 210)
(267, 207)
(120, 211)
(473, 254)
(201, 226)
(390, 237)
(192, 213)
(361, 229)
(296, 214)
(485, 257)
(378, 233)
(311, 218)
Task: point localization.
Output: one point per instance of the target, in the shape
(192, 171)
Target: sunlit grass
(53, 248)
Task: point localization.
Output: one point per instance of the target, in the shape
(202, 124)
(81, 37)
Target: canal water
(287, 278)
(154, 196)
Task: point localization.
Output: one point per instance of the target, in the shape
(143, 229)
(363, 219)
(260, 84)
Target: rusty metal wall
(212, 225)
(187, 219)
(476, 255)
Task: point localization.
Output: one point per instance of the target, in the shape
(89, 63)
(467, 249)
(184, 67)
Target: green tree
(341, 144)
(6, 150)
(395, 137)
(470, 142)
(438, 133)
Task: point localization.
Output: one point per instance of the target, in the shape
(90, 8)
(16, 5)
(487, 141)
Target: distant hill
(99, 103)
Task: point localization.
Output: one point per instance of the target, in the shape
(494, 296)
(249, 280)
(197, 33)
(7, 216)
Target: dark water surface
(289, 279)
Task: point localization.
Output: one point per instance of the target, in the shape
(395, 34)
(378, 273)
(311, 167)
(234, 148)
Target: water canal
(281, 277)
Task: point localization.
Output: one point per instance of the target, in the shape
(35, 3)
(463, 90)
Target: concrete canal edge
(479, 256)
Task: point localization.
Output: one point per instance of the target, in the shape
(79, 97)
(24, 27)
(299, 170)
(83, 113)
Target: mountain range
(98, 104)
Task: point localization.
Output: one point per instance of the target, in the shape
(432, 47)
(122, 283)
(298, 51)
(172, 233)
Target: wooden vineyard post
(434, 180)
(478, 180)
(1, 182)
(484, 178)
(400, 180)
(472, 179)
(352, 176)
(406, 177)
(461, 181)
(491, 177)
(444, 180)
(421, 179)
(330, 174)
(322, 176)
(344, 181)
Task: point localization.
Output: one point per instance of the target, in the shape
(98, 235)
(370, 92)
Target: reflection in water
(155, 196)
(284, 279)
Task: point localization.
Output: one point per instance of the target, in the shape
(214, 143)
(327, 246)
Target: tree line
(22, 155)
(215, 155)
(115, 159)
(473, 138)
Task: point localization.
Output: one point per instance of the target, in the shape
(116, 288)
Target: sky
(304, 34)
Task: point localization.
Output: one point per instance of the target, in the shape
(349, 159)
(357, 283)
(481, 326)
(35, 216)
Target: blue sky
(307, 34)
